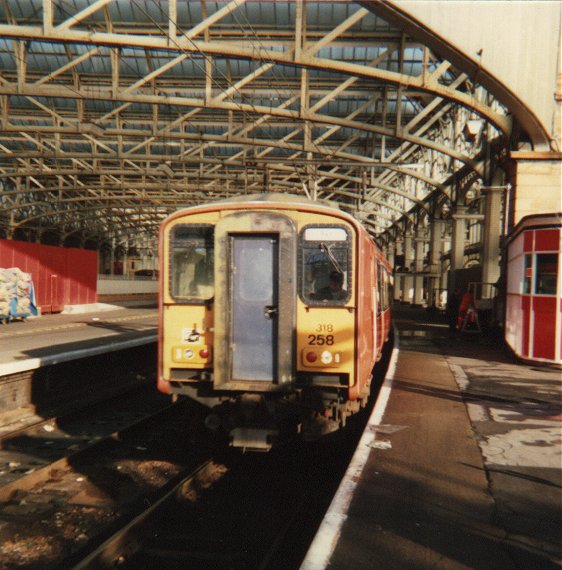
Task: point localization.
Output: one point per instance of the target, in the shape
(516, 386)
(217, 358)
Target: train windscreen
(326, 265)
(191, 267)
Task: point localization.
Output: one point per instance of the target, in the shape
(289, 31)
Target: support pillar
(126, 258)
(418, 267)
(390, 251)
(112, 258)
(458, 237)
(398, 281)
(435, 252)
(492, 233)
(408, 286)
(11, 225)
(445, 264)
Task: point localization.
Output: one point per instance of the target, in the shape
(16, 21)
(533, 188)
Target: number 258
(321, 339)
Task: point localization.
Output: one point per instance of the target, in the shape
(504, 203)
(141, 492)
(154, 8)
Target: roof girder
(109, 130)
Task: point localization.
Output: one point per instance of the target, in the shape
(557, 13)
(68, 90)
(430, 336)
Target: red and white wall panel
(534, 289)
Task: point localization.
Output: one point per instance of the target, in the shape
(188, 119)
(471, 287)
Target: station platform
(459, 466)
(78, 332)
(460, 463)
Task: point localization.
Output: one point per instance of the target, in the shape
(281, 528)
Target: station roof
(115, 113)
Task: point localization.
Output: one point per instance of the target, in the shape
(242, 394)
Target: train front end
(258, 318)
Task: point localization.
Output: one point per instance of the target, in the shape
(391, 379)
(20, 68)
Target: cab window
(191, 267)
(325, 265)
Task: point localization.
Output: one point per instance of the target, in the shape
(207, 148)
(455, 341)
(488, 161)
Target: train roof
(290, 201)
(282, 199)
(278, 197)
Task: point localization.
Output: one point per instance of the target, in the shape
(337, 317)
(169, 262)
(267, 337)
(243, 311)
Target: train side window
(191, 268)
(385, 292)
(546, 274)
(380, 289)
(325, 276)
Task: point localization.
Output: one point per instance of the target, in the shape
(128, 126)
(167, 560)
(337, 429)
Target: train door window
(380, 289)
(385, 291)
(546, 273)
(325, 276)
(191, 263)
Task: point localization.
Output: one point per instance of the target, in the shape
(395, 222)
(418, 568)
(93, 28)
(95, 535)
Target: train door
(255, 296)
(254, 306)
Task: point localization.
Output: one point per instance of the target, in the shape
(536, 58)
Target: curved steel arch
(399, 17)
(315, 118)
(270, 56)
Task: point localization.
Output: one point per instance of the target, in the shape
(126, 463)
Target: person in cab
(334, 291)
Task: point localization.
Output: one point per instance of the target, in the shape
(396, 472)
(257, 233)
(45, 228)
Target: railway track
(124, 544)
(140, 485)
(65, 481)
(233, 511)
(29, 453)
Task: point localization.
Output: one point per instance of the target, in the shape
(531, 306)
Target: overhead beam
(222, 49)
(46, 91)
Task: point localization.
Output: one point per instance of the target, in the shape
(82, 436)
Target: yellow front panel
(187, 329)
(325, 340)
(187, 338)
(326, 332)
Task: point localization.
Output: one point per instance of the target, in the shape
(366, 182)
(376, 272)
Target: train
(273, 312)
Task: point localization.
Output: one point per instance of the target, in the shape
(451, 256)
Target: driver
(334, 291)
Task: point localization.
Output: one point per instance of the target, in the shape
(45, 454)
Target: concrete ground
(515, 411)
(464, 469)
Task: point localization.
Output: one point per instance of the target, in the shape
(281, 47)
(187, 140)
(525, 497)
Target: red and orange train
(273, 312)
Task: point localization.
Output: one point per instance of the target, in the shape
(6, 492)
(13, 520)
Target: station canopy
(115, 113)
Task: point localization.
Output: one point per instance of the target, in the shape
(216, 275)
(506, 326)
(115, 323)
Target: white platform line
(34, 363)
(326, 539)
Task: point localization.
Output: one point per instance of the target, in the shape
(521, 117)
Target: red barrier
(61, 276)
